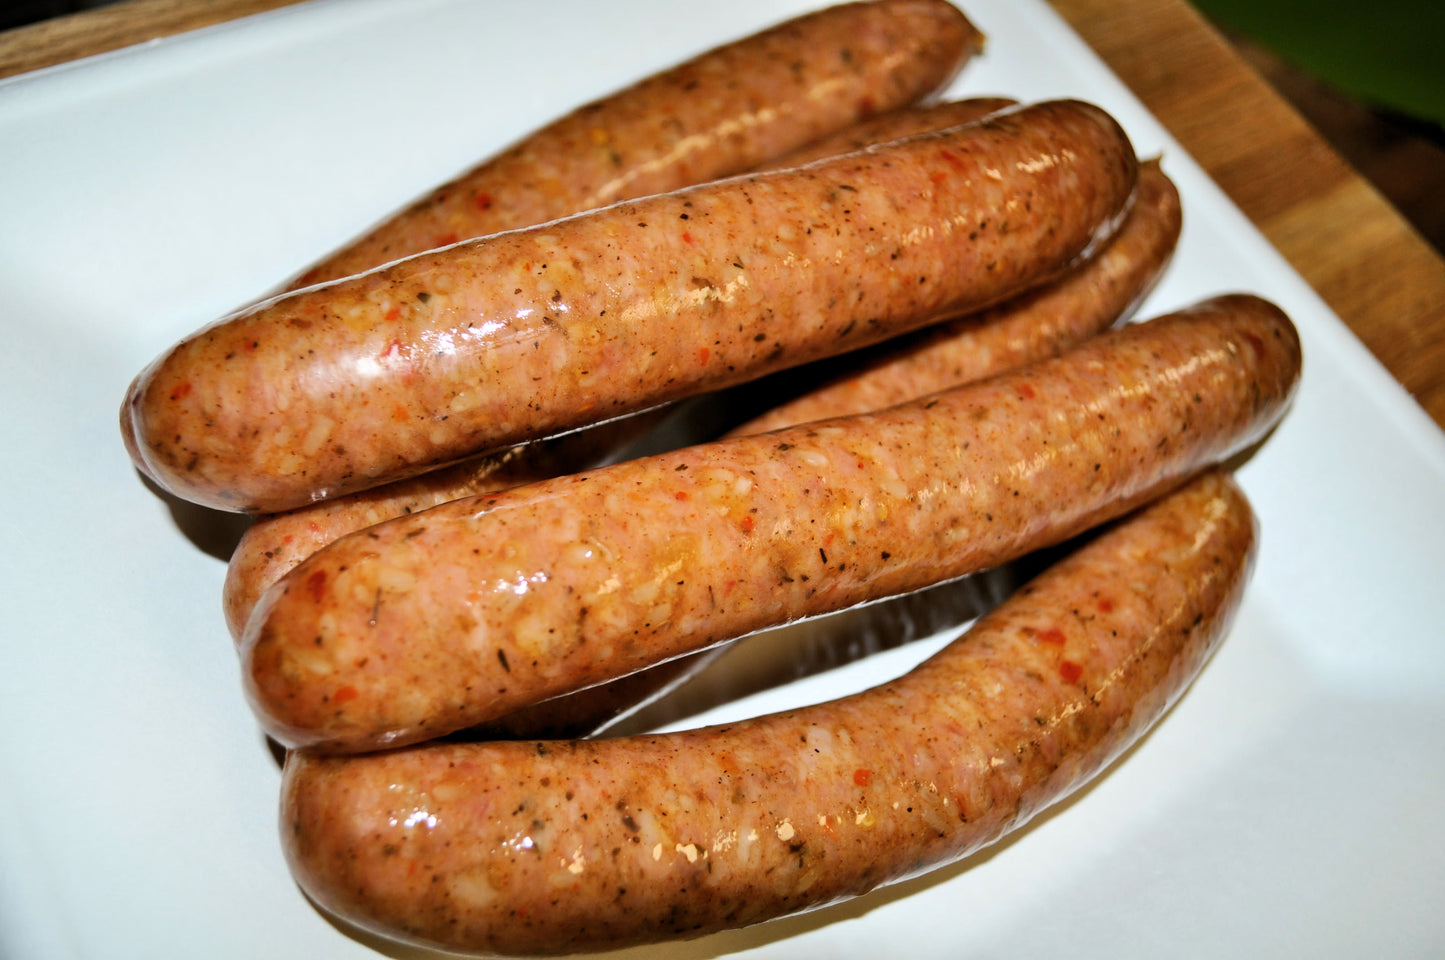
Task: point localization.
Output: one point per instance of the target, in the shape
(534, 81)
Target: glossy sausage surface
(275, 543)
(1041, 323)
(1032, 327)
(718, 114)
(434, 622)
(564, 846)
(528, 333)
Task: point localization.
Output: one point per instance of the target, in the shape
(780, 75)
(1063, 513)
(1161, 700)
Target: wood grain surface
(1359, 254)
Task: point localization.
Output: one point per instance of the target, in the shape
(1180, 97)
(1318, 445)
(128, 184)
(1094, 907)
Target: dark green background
(1389, 54)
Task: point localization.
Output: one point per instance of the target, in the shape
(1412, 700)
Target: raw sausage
(1035, 325)
(1041, 323)
(720, 113)
(276, 543)
(460, 614)
(562, 846)
(553, 847)
(522, 334)
(528, 333)
(1028, 328)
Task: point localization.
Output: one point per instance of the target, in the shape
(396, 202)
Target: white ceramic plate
(1288, 806)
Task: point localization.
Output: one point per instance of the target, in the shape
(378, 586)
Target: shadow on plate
(213, 532)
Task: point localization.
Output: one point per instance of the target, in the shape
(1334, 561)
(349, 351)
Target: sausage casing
(1041, 323)
(1038, 324)
(718, 114)
(554, 847)
(460, 614)
(1031, 327)
(531, 332)
(275, 543)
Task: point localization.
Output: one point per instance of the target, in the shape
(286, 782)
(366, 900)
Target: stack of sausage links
(382, 603)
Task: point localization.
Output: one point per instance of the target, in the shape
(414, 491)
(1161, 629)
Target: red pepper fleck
(345, 694)
(1070, 671)
(1106, 605)
(392, 315)
(951, 160)
(393, 349)
(686, 237)
(484, 201)
(747, 524)
(1026, 391)
(1052, 635)
(184, 390)
(399, 414)
(702, 354)
(937, 178)
(316, 585)
(861, 777)
(681, 494)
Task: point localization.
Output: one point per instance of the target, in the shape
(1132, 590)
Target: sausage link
(275, 543)
(1027, 328)
(718, 114)
(1041, 323)
(528, 333)
(554, 847)
(1036, 325)
(438, 621)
